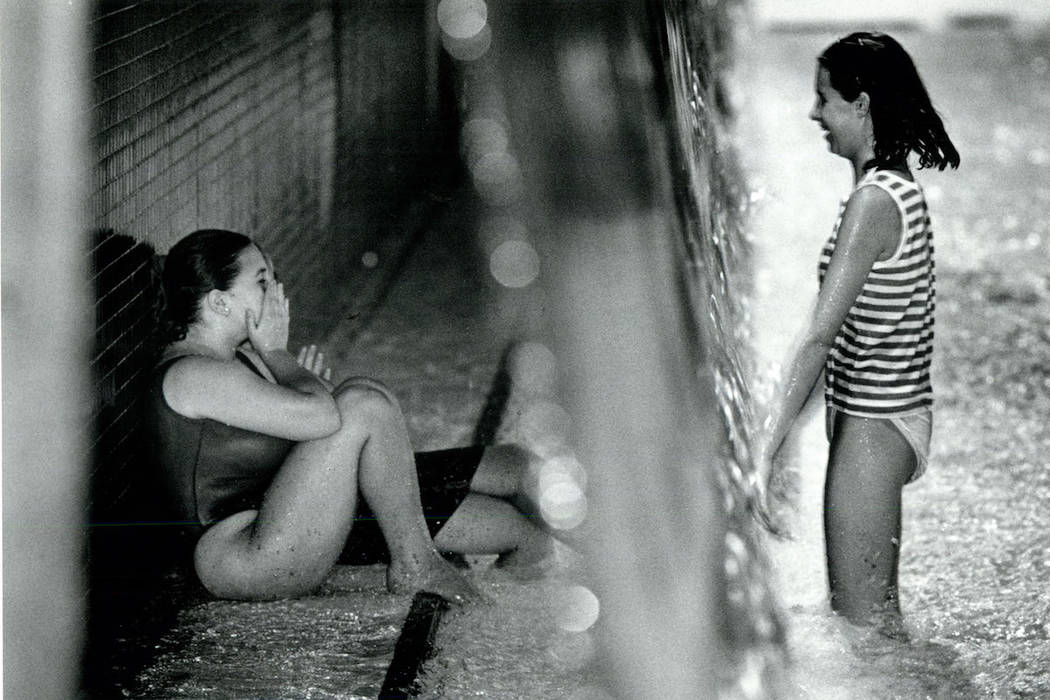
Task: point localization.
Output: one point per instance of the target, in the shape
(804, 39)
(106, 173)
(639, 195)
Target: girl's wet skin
(230, 364)
(870, 334)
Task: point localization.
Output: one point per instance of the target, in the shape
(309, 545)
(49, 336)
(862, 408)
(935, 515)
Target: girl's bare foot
(434, 575)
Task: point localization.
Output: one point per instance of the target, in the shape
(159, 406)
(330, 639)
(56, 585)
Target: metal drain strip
(414, 646)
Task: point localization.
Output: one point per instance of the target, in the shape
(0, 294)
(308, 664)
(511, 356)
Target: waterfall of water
(596, 139)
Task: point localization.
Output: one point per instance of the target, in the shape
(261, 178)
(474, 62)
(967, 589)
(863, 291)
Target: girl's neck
(208, 342)
(861, 165)
(862, 169)
(864, 159)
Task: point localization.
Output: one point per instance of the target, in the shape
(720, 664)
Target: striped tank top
(879, 366)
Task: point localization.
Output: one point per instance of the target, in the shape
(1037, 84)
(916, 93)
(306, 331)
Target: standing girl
(871, 332)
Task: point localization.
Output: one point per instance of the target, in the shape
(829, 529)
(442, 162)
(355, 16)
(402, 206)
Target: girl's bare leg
(504, 473)
(389, 484)
(290, 545)
(485, 525)
(869, 464)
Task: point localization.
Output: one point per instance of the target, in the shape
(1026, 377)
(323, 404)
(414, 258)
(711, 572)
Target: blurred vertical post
(578, 82)
(45, 343)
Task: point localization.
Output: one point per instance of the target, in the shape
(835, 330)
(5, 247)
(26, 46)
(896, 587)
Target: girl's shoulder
(872, 203)
(874, 212)
(181, 363)
(895, 182)
(189, 381)
(885, 185)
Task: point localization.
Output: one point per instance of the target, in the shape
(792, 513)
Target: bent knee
(355, 397)
(507, 470)
(362, 390)
(513, 460)
(365, 384)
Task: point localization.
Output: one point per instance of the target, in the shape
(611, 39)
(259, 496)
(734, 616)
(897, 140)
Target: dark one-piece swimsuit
(207, 470)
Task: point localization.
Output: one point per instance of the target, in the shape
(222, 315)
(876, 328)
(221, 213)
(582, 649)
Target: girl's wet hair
(903, 118)
(202, 261)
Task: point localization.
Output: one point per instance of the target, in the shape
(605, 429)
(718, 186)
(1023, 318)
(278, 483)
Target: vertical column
(583, 118)
(45, 341)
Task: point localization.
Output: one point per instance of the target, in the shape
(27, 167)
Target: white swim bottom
(917, 429)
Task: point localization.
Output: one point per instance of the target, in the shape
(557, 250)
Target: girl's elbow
(331, 420)
(321, 420)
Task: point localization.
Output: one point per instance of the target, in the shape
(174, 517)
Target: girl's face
(246, 291)
(843, 122)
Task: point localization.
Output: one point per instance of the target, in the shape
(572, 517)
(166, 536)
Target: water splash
(712, 205)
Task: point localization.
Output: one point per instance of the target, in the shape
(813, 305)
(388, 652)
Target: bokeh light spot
(370, 259)
(560, 469)
(462, 19)
(563, 505)
(577, 609)
(470, 49)
(497, 177)
(514, 264)
(482, 136)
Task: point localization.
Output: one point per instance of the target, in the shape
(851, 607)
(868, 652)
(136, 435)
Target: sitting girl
(266, 460)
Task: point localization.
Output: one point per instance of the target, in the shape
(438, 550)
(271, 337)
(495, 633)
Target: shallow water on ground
(336, 643)
(528, 644)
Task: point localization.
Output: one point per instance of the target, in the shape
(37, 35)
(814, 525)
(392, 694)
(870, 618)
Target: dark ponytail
(202, 261)
(902, 115)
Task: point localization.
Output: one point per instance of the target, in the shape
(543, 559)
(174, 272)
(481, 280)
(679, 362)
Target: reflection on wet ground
(336, 643)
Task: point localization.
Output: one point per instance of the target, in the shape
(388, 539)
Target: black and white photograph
(525, 349)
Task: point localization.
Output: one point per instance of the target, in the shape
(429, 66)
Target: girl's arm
(309, 358)
(298, 407)
(229, 392)
(870, 231)
(312, 359)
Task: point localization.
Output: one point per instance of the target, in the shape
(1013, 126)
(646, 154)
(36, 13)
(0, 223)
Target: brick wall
(306, 125)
